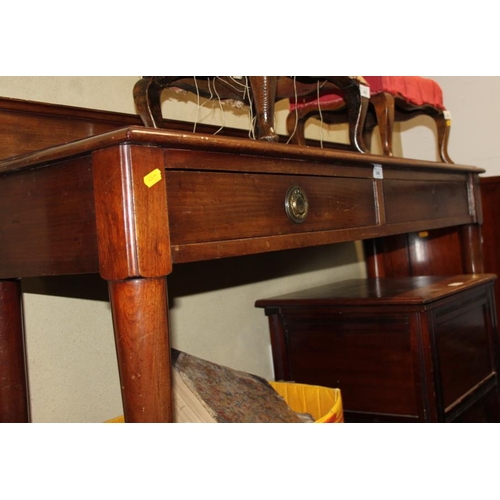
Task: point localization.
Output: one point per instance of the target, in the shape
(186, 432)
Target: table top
(172, 139)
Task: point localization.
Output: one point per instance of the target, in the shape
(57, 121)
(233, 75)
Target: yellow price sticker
(152, 178)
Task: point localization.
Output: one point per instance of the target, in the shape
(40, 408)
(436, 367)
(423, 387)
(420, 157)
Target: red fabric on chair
(391, 98)
(327, 98)
(414, 89)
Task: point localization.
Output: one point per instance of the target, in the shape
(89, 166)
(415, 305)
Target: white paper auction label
(364, 90)
(378, 172)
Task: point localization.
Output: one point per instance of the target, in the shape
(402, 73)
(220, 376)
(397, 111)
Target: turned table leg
(472, 249)
(133, 241)
(140, 318)
(14, 405)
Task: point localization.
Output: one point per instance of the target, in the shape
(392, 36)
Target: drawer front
(407, 201)
(218, 206)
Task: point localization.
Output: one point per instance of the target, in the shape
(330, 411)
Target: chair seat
(391, 98)
(414, 90)
(326, 99)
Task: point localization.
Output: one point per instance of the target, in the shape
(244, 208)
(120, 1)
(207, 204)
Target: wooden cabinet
(412, 349)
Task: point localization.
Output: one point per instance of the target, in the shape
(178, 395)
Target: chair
(392, 98)
(260, 92)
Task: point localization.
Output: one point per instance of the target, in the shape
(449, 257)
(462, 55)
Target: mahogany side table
(131, 203)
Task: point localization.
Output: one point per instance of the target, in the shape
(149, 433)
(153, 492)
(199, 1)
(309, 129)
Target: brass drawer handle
(296, 204)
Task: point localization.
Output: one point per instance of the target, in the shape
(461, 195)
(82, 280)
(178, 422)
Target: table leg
(472, 249)
(14, 406)
(140, 318)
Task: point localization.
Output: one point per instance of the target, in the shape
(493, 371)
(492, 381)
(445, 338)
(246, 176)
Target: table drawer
(407, 201)
(217, 206)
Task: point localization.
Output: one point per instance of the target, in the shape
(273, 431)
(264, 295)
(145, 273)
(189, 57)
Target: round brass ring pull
(296, 204)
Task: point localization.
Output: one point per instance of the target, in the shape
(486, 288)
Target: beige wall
(72, 364)
(474, 103)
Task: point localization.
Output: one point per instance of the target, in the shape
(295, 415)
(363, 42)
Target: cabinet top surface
(378, 291)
